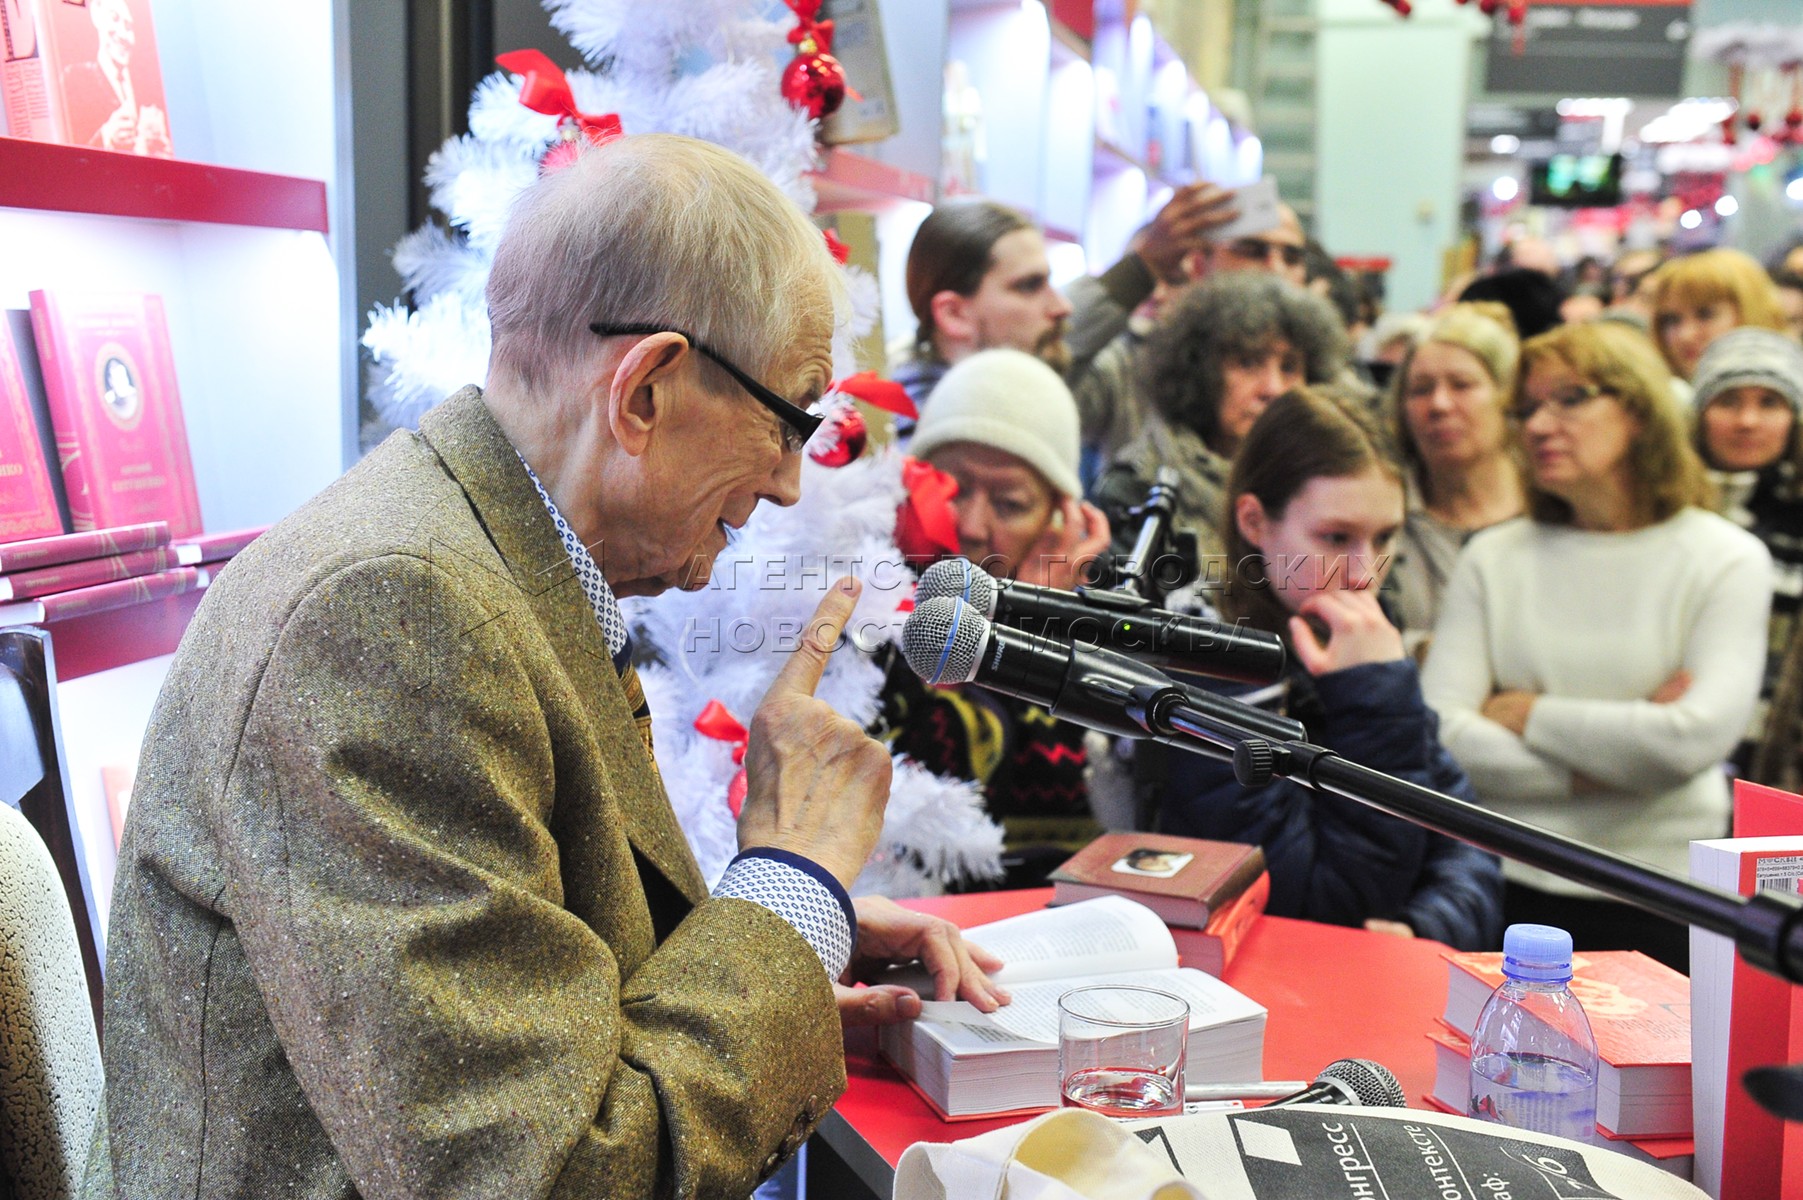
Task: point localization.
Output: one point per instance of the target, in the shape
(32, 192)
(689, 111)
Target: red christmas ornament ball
(814, 83)
(842, 441)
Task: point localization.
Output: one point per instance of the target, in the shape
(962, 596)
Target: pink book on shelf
(109, 380)
(103, 597)
(66, 577)
(27, 499)
(85, 72)
(73, 547)
(217, 547)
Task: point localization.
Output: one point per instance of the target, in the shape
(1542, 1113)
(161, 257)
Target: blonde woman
(1452, 389)
(1699, 297)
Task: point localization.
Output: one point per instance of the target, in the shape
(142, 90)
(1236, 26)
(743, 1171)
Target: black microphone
(1351, 1081)
(1116, 620)
(948, 641)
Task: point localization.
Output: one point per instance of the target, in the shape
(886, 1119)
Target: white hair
(662, 230)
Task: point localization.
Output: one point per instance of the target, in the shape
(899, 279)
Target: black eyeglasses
(799, 421)
(1251, 247)
(1564, 405)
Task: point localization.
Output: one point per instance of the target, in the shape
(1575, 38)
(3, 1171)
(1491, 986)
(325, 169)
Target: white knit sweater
(1594, 623)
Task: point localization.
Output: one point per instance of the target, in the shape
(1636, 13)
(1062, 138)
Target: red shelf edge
(49, 176)
(846, 178)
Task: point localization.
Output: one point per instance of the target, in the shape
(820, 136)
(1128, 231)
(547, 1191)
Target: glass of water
(1121, 1049)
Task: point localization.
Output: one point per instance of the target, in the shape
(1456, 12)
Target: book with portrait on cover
(109, 382)
(84, 72)
(1181, 879)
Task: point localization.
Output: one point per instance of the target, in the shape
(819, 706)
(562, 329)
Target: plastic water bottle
(1533, 1057)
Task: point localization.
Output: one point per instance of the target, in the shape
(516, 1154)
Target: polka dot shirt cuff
(801, 892)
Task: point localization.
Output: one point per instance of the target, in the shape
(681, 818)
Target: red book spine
(72, 547)
(67, 577)
(27, 502)
(120, 593)
(61, 389)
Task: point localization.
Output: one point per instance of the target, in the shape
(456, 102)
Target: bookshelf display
(234, 235)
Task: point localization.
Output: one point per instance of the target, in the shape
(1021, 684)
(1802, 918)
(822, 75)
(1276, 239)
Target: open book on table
(968, 1063)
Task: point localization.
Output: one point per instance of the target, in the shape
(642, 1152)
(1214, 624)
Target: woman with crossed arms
(1596, 660)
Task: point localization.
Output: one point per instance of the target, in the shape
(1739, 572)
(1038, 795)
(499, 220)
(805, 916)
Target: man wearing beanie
(1749, 391)
(1003, 424)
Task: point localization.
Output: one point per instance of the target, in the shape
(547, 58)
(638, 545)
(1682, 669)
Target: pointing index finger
(803, 670)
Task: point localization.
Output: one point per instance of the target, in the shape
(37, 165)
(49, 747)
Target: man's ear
(953, 318)
(1249, 516)
(636, 392)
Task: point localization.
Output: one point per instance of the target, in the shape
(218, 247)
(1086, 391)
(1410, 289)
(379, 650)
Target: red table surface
(1332, 993)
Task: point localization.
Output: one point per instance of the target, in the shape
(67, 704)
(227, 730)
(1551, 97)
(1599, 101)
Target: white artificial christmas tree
(708, 69)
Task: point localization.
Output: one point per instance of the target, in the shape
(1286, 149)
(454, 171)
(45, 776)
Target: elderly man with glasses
(402, 907)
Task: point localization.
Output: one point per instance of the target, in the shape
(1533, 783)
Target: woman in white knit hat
(1749, 391)
(1004, 425)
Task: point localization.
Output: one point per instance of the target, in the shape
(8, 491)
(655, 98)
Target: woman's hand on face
(1074, 538)
(1357, 632)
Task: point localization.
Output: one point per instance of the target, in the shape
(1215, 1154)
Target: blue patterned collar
(588, 573)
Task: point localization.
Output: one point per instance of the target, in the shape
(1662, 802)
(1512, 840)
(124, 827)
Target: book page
(1095, 937)
(1033, 1015)
(1108, 934)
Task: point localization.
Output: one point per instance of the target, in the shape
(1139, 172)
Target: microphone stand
(1767, 928)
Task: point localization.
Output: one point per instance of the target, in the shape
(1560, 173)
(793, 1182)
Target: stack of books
(1638, 1008)
(1209, 893)
(971, 1064)
(1745, 1017)
(74, 574)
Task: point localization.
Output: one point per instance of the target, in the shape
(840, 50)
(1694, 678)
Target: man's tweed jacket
(402, 909)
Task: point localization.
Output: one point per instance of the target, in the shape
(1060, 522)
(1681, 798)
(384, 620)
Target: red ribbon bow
(926, 527)
(807, 27)
(878, 392)
(544, 89)
(718, 723)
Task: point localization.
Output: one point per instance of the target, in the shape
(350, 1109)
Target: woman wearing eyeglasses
(1595, 661)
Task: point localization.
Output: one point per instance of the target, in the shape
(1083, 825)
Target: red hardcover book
(103, 596)
(1181, 879)
(109, 380)
(27, 499)
(85, 72)
(73, 547)
(1744, 1018)
(1212, 947)
(217, 547)
(1639, 1009)
(66, 577)
(1452, 1083)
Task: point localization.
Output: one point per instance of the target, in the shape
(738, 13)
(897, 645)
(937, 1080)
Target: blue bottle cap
(1539, 953)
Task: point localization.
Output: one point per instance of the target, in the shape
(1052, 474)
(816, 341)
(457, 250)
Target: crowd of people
(402, 906)
(1538, 547)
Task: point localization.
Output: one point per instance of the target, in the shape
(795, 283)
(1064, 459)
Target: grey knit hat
(1751, 357)
(1009, 400)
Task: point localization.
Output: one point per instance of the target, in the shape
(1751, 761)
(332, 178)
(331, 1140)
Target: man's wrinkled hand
(816, 783)
(889, 934)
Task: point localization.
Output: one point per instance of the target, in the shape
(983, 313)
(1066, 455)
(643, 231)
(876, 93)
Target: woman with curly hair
(1228, 348)
(1596, 660)
(1701, 296)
